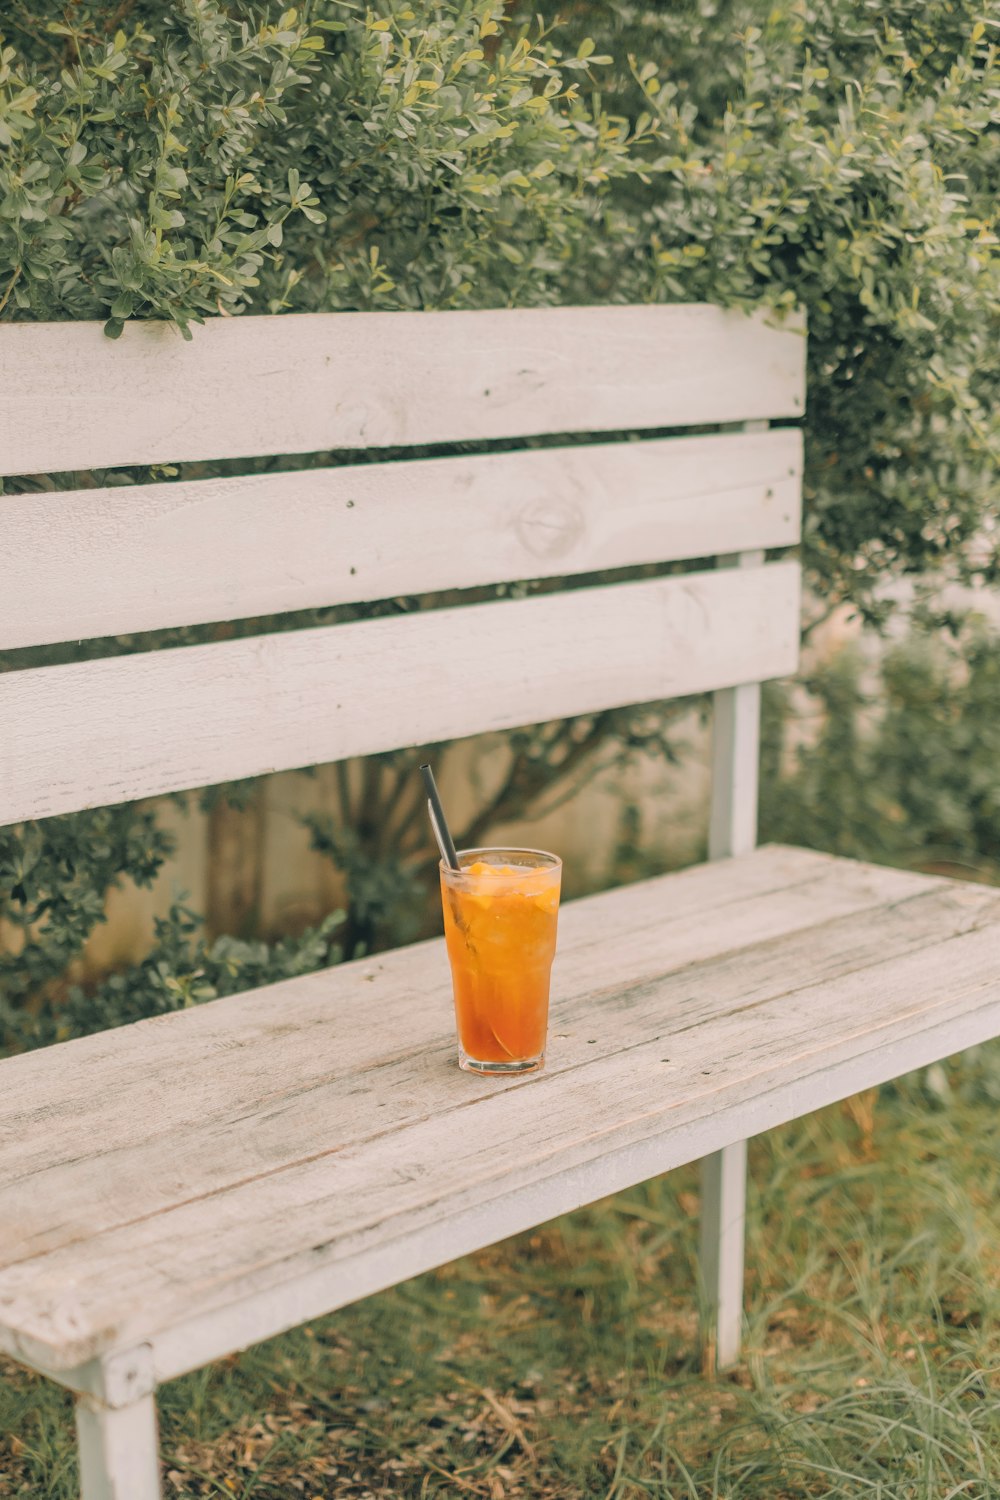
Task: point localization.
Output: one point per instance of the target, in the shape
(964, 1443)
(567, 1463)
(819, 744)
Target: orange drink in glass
(500, 912)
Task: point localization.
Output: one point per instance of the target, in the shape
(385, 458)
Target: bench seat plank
(204, 1180)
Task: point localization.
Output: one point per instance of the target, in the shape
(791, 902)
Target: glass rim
(554, 860)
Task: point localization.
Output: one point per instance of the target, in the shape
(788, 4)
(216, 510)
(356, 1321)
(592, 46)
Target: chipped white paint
(113, 1380)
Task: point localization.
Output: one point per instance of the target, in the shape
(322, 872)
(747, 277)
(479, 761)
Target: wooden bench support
(119, 1449)
(115, 1422)
(723, 1199)
(732, 830)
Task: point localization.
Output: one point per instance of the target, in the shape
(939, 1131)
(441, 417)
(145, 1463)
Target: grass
(563, 1363)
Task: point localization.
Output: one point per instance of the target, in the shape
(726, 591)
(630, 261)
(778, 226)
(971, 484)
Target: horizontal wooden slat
(143, 1125)
(112, 561)
(801, 1084)
(112, 730)
(73, 399)
(50, 1097)
(289, 1156)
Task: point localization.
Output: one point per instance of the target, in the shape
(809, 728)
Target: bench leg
(723, 1200)
(732, 831)
(119, 1450)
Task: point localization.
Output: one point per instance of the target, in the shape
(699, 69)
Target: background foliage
(198, 159)
(904, 769)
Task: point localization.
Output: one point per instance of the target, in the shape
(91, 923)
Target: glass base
(497, 1069)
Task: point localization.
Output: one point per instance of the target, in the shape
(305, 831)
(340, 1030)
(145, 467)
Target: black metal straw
(439, 822)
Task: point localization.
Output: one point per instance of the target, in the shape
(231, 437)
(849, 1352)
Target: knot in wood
(549, 528)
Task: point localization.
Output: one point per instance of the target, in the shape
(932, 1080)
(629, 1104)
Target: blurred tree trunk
(235, 876)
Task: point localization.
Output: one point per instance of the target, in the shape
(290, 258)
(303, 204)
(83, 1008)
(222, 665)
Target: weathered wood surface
(302, 383)
(205, 1179)
(111, 730)
(98, 562)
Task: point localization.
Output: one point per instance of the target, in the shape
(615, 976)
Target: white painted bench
(178, 1189)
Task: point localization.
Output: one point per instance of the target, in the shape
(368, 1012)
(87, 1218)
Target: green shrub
(208, 160)
(905, 769)
(54, 878)
(842, 155)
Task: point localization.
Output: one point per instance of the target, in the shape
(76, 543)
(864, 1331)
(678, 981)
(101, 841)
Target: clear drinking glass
(500, 913)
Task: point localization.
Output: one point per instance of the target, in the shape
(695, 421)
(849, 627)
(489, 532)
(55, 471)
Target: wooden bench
(180, 1188)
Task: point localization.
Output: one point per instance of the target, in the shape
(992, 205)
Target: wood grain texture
(329, 1165)
(112, 561)
(303, 383)
(91, 1094)
(107, 731)
(49, 1098)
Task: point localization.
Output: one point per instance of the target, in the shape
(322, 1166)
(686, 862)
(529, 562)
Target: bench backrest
(95, 562)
